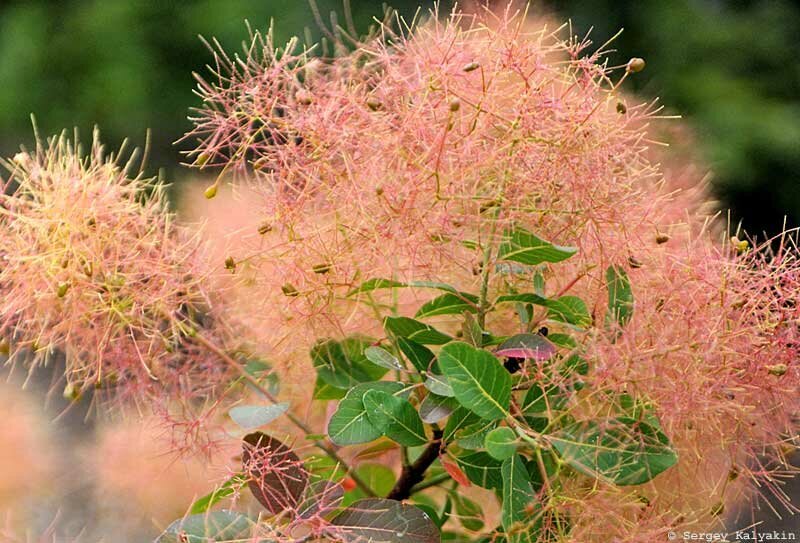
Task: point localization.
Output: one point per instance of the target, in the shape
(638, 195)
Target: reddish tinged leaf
(276, 475)
(455, 472)
(526, 346)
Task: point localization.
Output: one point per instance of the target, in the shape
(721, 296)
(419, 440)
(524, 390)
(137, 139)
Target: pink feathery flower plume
(94, 267)
(408, 156)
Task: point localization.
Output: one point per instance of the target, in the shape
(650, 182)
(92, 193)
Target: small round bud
(740, 245)
(289, 290)
(374, 104)
(634, 263)
(662, 238)
(471, 67)
(202, 159)
(635, 65)
(211, 191)
(777, 369)
(264, 228)
(622, 109)
(304, 97)
(733, 474)
(379, 190)
(455, 104)
(230, 264)
(321, 268)
(718, 509)
(62, 290)
(5, 347)
(71, 393)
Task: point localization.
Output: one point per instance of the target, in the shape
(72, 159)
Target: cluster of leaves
(467, 409)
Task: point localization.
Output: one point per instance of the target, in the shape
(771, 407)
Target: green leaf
(434, 408)
(343, 364)
(622, 451)
(395, 417)
(470, 514)
(461, 418)
(324, 391)
(501, 443)
(433, 284)
(449, 304)
(522, 246)
(381, 357)
(543, 397)
(253, 416)
(481, 469)
(228, 488)
(374, 284)
(523, 298)
(384, 521)
(517, 493)
(538, 283)
(350, 424)
(215, 526)
(569, 309)
(473, 334)
(472, 437)
(378, 477)
(479, 381)
(420, 356)
(415, 331)
(620, 297)
(438, 384)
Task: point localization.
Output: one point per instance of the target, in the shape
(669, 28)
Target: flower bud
(662, 238)
(230, 264)
(202, 159)
(62, 290)
(321, 268)
(740, 245)
(777, 369)
(71, 393)
(455, 104)
(374, 104)
(471, 67)
(622, 109)
(303, 97)
(264, 228)
(211, 191)
(289, 290)
(635, 65)
(634, 263)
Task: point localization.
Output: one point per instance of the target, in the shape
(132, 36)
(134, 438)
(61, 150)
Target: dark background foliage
(732, 69)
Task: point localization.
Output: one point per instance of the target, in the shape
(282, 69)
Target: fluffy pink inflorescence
(408, 157)
(93, 266)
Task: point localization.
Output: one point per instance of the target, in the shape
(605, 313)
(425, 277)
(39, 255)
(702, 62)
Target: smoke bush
(585, 341)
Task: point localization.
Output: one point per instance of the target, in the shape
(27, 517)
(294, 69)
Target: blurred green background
(732, 69)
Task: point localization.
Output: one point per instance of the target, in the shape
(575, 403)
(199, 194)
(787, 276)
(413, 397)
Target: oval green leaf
(395, 417)
(480, 383)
